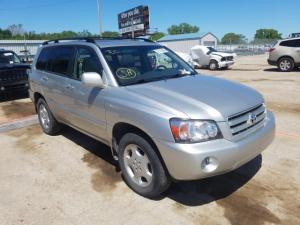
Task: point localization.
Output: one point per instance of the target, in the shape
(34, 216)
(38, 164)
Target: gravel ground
(71, 179)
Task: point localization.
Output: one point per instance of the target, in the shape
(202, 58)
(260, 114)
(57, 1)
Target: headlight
(191, 131)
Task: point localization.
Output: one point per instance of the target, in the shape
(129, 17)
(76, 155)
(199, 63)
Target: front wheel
(213, 65)
(141, 167)
(286, 64)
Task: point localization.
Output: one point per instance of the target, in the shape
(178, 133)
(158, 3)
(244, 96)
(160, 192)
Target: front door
(87, 107)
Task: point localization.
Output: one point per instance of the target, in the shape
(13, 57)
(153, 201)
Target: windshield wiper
(177, 75)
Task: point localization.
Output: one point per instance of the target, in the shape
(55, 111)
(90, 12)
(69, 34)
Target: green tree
(233, 38)
(5, 34)
(156, 36)
(16, 29)
(183, 28)
(267, 34)
(110, 34)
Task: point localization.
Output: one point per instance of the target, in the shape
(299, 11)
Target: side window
(61, 60)
(86, 61)
(290, 43)
(43, 59)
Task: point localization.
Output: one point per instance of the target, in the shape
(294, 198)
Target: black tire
(213, 65)
(160, 179)
(53, 126)
(285, 64)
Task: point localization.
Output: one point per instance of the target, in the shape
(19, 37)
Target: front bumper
(12, 87)
(225, 64)
(183, 161)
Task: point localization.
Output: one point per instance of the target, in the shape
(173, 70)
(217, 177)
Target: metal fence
(254, 47)
(26, 49)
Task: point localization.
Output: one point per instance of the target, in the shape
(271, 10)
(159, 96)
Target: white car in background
(211, 58)
(187, 58)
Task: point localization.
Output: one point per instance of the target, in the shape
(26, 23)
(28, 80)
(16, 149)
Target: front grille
(229, 58)
(13, 75)
(246, 120)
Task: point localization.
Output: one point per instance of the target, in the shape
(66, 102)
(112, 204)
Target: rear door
(87, 105)
(56, 64)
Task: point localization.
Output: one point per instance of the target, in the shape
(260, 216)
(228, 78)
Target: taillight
(271, 49)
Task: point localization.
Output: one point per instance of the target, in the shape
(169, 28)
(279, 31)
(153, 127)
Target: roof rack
(93, 39)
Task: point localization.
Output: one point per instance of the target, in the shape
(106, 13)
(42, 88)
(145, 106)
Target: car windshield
(9, 58)
(141, 64)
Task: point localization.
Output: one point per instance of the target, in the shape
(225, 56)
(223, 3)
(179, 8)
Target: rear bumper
(272, 62)
(183, 161)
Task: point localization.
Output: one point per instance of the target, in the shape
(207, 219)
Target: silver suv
(285, 54)
(161, 119)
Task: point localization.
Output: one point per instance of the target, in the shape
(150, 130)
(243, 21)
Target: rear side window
(43, 59)
(290, 43)
(56, 59)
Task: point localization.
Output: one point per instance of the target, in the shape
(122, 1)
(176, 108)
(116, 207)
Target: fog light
(2, 88)
(26, 85)
(209, 164)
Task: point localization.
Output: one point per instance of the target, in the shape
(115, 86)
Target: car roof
(123, 42)
(3, 50)
(288, 39)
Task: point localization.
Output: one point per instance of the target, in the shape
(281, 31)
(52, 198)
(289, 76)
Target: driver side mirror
(92, 79)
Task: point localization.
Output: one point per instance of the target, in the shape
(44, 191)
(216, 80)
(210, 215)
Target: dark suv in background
(13, 73)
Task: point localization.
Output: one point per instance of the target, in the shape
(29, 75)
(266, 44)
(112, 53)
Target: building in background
(184, 42)
(24, 48)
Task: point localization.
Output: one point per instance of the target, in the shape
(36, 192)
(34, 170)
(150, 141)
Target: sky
(218, 16)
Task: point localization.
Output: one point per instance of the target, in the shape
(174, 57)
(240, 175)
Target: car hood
(221, 54)
(201, 97)
(5, 66)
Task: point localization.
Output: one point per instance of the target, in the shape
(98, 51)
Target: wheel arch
(122, 128)
(285, 56)
(36, 97)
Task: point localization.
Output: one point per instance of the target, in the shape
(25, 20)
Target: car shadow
(204, 191)
(4, 97)
(93, 146)
(275, 69)
(189, 193)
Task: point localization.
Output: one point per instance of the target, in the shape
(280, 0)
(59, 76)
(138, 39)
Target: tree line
(17, 32)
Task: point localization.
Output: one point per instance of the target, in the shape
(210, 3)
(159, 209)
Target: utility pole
(99, 18)
(132, 28)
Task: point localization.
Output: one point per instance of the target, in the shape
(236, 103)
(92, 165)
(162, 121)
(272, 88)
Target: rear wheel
(286, 64)
(141, 167)
(213, 65)
(47, 121)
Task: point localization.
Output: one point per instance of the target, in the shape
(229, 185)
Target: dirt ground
(71, 178)
(15, 107)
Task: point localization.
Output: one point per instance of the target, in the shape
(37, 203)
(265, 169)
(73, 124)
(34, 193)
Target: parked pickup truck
(161, 119)
(211, 58)
(13, 74)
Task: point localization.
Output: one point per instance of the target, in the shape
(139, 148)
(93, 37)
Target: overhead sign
(136, 19)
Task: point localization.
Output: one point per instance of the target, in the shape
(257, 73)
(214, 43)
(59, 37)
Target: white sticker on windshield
(11, 62)
(7, 54)
(160, 50)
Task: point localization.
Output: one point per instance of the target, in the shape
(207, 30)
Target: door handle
(69, 86)
(44, 78)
